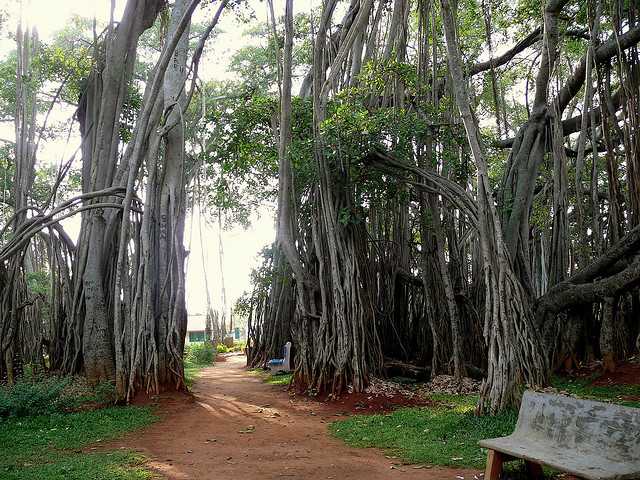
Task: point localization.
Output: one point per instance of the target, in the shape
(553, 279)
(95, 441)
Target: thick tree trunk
(515, 350)
(99, 116)
(338, 344)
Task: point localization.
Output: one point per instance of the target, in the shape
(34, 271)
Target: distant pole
(221, 261)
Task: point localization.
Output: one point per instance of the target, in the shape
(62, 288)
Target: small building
(196, 325)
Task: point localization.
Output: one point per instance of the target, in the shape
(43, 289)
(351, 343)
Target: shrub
(238, 346)
(104, 393)
(199, 354)
(41, 394)
(222, 348)
(36, 395)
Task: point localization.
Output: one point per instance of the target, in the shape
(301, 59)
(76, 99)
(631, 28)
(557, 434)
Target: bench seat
(281, 364)
(588, 439)
(587, 465)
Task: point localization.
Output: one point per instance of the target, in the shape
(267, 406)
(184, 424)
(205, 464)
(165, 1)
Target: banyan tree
(441, 226)
(117, 307)
(457, 193)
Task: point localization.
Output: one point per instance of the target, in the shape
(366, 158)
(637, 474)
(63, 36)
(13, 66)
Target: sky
(241, 246)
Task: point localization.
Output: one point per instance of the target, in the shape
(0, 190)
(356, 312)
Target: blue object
(276, 361)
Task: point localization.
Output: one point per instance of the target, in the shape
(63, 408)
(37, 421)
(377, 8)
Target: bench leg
(534, 470)
(494, 465)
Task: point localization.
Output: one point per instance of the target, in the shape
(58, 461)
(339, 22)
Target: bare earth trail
(239, 427)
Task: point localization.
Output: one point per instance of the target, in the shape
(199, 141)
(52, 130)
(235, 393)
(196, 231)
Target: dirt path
(241, 428)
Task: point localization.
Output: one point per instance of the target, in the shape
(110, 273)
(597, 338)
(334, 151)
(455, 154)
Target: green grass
(267, 377)
(280, 379)
(582, 388)
(448, 433)
(51, 447)
(445, 434)
(191, 372)
(196, 357)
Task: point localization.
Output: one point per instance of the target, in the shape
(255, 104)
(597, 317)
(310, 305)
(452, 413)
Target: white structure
(281, 364)
(196, 325)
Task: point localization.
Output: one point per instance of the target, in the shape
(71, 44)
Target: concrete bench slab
(589, 439)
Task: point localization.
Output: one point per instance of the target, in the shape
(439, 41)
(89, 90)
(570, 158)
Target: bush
(104, 393)
(41, 394)
(36, 395)
(236, 347)
(199, 354)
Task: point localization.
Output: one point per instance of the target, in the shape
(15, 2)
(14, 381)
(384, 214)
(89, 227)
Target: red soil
(236, 426)
(627, 373)
(221, 357)
(363, 403)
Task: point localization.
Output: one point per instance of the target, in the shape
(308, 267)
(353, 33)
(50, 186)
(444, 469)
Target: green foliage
(445, 434)
(69, 56)
(242, 307)
(255, 64)
(238, 159)
(471, 28)
(199, 354)
(63, 64)
(117, 465)
(196, 357)
(39, 282)
(104, 393)
(222, 348)
(130, 108)
(49, 447)
(238, 346)
(8, 67)
(191, 372)
(29, 397)
(39, 394)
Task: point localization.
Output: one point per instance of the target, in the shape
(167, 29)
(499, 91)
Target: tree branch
(584, 287)
(604, 52)
(506, 57)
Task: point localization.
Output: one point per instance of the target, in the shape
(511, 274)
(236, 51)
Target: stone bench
(591, 440)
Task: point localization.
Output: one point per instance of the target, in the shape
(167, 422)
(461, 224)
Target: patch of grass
(271, 379)
(628, 395)
(191, 372)
(279, 379)
(196, 357)
(50, 446)
(448, 432)
(94, 466)
(445, 434)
